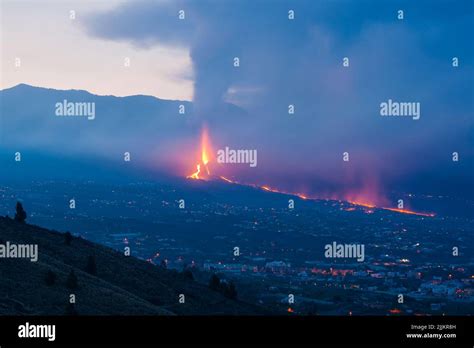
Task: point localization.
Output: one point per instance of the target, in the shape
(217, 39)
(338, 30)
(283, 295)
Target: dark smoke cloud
(300, 62)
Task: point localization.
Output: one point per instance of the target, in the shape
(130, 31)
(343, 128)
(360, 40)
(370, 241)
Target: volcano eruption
(203, 172)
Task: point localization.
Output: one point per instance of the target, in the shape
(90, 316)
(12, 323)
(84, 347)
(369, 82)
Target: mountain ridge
(122, 285)
(28, 86)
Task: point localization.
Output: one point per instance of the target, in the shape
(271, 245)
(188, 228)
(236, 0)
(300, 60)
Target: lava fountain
(203, 173)
(202, 169)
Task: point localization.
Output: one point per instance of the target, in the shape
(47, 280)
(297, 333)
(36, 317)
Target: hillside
(135, 122)
(122, 285)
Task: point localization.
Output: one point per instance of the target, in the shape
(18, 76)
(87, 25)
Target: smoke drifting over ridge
(299, 62)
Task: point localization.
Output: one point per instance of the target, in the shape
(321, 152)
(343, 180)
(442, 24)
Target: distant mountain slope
(29, 120)
(123, 285)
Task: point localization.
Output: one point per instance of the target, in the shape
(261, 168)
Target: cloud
(300, 62)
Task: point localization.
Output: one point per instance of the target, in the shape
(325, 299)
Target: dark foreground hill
(121, 285)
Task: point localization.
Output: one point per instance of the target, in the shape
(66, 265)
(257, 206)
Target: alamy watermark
(393, 108)
(19, 251)
(80, 109)
(228, 155)
(336, 250)
(28, 330)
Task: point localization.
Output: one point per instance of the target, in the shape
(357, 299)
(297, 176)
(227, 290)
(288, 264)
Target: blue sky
(57, 52)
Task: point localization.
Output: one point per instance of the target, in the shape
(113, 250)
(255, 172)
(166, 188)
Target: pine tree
(214, 283)
(67, 238)
(20, 214)
(91, 267)
(231, 291)
(188, 274)
(71, 309)
(71, 281)
(50, 278)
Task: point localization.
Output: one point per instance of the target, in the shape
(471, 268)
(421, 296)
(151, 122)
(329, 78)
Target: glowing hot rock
(203, 173)
(202, 170)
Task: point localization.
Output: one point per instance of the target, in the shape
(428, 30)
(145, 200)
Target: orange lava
(266, 188)
(367, 205)
(227, 180)
(406, 211)
(195, 175)
(402, 211)
(205, 158)
(362, 204)
(203, 173)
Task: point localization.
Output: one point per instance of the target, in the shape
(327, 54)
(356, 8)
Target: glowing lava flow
(205, 158)
(406, 211)
(403, 211)
(300, 195)
(227, 180)
(360, 204)
(266, 188)
(195, 175)
(367, 205)
(303, 196)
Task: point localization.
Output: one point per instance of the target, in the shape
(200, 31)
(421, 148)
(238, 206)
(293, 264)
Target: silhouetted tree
(225, 288)
(91, 267)
(71, 309)
(67, 238)
(20, 214)
(163, 264)
(188, 274)
(214, 283)
(230, 291)
(71, 281)
(50, 278)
